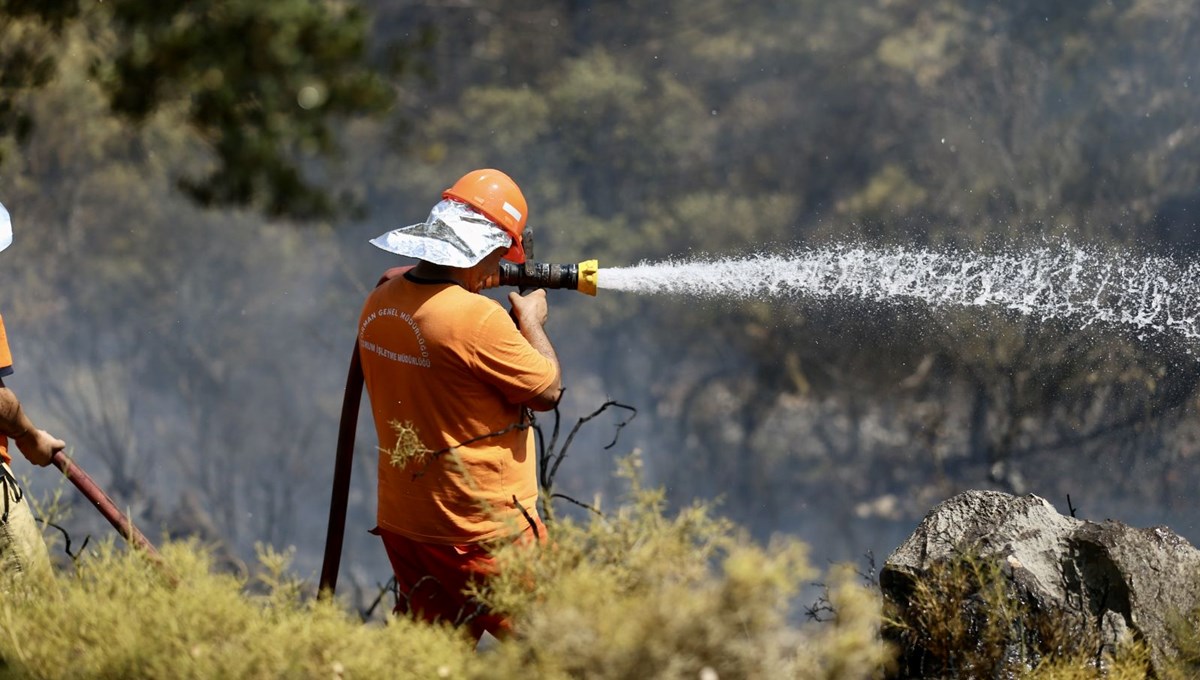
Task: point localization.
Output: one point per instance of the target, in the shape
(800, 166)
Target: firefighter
(449, 376)
(22, 550)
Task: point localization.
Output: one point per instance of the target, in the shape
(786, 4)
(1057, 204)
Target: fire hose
(83, 481)
(581, 277)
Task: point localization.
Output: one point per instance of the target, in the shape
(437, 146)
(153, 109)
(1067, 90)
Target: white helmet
(5, 228)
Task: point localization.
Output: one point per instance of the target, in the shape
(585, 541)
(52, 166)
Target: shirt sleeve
(505, 359)
(6, 368)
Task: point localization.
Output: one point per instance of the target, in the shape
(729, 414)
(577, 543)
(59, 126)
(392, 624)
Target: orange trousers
(432, 579)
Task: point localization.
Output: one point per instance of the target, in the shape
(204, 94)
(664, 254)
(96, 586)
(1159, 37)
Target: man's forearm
(13, 421)
(537, 337)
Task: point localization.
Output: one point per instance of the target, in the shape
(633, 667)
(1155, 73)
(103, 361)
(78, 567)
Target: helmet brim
(454, 235)
(5, 228)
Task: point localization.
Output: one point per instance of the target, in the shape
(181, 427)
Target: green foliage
(638, 594)
(635, 594)
(261, 83)
(119, 615)
(25, 61)
(1129, 663)
(53, 13)
(1185, 629)
(923, 49)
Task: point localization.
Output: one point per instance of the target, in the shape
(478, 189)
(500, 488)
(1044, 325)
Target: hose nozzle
(581, 277)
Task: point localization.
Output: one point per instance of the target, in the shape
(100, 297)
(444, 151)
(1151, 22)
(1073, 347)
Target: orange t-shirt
(450, 366)
(5, 370)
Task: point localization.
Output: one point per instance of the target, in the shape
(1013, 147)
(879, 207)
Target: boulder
(1017, 581)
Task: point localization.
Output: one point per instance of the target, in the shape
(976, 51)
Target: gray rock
(1076, 585)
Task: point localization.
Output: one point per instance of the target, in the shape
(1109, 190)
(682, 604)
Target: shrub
(635, 594)
(121, 615)
(640, 595)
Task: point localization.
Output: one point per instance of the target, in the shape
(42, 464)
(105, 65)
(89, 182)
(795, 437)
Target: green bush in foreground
(636, 594)
(632, 594)
(121, 616)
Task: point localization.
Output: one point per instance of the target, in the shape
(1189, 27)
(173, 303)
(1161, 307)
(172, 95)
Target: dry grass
(642, 595)
(119, 616)
(408, 448)
(638, 593)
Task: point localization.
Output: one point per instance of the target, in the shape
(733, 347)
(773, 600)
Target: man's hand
(530, 309)
(39, 446)
(531, 313)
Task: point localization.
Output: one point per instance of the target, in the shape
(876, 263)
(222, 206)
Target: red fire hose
(343, 464)
(83, 481)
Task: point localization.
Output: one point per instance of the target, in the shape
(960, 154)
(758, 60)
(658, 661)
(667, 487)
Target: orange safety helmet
(498, 198)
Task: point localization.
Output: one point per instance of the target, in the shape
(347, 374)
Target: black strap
(9, 483)
(409, 276)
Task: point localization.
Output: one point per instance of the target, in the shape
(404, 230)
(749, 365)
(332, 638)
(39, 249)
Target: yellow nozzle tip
(588, 273)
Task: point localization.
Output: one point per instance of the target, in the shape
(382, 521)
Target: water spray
(1085, 286)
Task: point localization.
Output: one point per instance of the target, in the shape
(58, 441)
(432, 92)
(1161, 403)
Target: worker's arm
(532, 312)
(38, 446)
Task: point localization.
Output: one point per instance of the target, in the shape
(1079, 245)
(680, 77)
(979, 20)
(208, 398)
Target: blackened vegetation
(551, 455)
(76, 554)
(823, 610)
